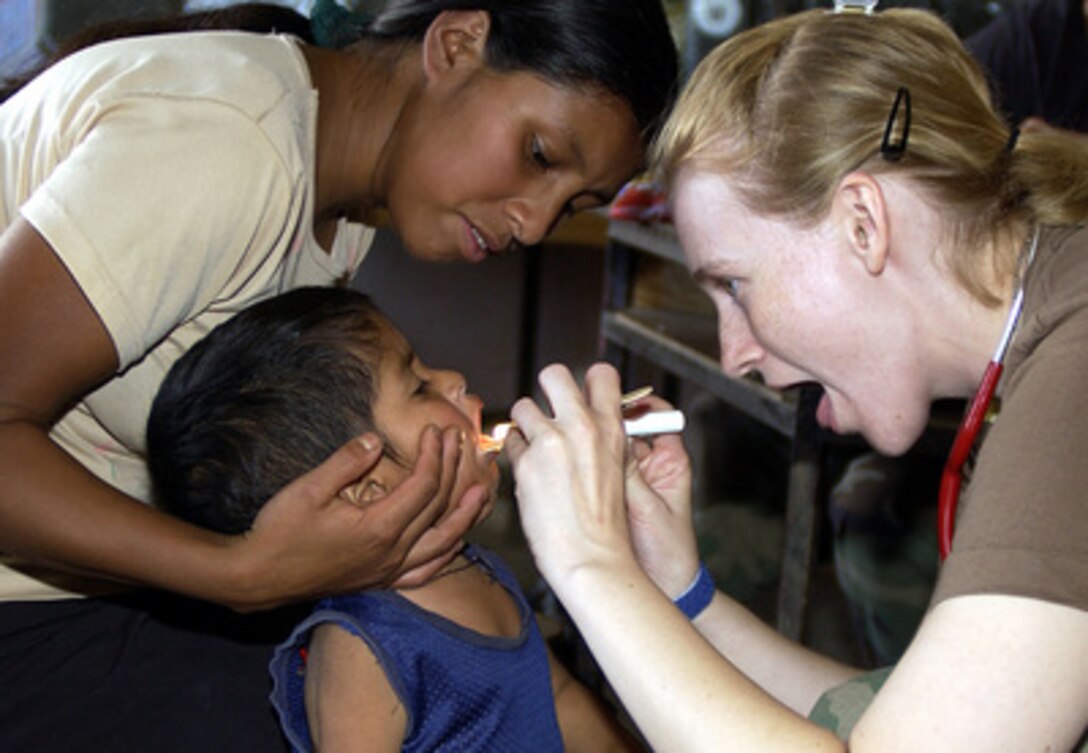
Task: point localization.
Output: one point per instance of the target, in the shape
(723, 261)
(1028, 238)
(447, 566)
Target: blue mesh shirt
(463, 691)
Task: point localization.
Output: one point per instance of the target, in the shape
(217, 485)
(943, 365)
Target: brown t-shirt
(1023, 521)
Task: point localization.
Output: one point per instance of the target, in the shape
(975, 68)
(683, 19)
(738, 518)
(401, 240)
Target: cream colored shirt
(173, 176)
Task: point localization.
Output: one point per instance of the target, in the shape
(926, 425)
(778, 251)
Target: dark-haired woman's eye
(536, 150)
(424, 385)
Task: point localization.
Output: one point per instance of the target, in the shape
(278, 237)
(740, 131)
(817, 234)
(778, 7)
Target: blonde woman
(862, 219)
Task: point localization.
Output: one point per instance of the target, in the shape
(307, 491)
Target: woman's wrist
(586, 579)
(247, 583)
(698, 595)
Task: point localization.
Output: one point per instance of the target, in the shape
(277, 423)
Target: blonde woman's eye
(728, 285)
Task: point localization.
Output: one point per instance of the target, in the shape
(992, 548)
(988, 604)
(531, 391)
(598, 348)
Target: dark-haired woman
(154, 185)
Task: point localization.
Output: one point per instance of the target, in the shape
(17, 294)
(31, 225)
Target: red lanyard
(952, 477)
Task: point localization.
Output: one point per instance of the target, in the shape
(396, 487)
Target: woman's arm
(985, 673)
(658, 496)
(585, 721)
(795, 675)
(54, 350)
(682, 693)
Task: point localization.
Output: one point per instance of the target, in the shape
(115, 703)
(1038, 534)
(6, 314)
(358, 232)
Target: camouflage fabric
(840, 708)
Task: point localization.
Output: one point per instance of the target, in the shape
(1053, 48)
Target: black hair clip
(1014, 136)
(893, 151)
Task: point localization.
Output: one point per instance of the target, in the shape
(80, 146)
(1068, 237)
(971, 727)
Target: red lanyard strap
(951, 479)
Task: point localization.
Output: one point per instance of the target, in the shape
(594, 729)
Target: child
(457, 663)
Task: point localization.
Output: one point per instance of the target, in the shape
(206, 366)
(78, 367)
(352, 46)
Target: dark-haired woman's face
(499, 159)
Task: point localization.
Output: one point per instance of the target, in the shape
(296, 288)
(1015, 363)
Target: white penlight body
(660, 422)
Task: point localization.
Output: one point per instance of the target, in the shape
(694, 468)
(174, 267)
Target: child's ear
(365, 491)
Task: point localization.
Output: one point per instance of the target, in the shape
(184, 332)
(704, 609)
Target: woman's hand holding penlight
(658, 491)
(569, 473)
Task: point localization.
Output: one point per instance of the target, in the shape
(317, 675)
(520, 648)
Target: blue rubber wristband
(698, 595)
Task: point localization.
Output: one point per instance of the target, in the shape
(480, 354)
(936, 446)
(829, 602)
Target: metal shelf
(658, 239)
(666, 338)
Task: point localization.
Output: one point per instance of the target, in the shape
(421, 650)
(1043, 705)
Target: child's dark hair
(623, 47)
(265, 397)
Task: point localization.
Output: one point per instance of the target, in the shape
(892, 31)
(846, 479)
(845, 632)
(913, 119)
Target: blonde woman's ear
(860, 211)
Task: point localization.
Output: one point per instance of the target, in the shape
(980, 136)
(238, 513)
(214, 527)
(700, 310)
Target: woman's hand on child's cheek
(435, 540)
(441, 543)
(309, 540)
(568, 472)
(306, 539)
(658, 488)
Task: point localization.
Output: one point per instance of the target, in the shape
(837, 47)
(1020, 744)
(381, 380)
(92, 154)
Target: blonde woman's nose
(741, 353)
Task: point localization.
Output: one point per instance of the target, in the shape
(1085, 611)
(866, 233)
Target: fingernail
(369, 442)
(460, 440)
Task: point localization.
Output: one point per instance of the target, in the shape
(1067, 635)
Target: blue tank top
(462, 691)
